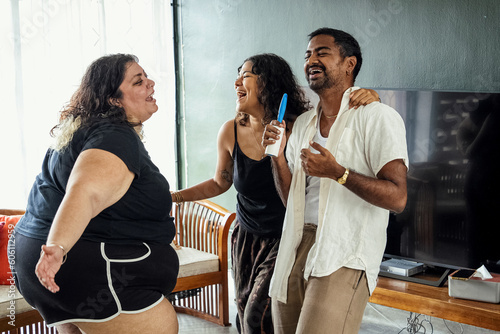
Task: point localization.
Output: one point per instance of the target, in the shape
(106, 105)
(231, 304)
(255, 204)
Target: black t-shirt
(259, 208)
(141, 215)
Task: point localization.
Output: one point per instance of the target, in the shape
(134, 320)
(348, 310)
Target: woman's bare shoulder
(226, 134)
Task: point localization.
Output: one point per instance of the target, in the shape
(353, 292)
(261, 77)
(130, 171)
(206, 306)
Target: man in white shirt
(344, 171)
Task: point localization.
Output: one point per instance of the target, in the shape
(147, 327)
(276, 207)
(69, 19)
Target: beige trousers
(329, 304)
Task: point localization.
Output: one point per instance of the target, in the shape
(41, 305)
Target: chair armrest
(11, 212)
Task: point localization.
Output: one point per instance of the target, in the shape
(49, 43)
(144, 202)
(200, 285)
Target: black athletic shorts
(98, 281)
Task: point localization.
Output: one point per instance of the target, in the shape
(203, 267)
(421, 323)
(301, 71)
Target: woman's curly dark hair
(100, 84)
(275, 77)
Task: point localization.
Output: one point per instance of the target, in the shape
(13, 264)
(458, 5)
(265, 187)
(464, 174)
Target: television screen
(451, 217)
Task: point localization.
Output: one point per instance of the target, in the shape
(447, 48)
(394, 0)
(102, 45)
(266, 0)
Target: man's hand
(322, 164)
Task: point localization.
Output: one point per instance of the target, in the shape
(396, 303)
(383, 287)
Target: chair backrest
(201, 225)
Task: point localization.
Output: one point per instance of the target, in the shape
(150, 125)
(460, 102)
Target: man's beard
(321, 84)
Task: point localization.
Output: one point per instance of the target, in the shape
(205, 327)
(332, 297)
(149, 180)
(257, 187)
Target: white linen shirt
(351, 232)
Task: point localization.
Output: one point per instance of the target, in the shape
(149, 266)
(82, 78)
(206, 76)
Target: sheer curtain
(46, 45)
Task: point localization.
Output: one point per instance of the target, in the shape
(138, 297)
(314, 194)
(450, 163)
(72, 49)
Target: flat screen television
(452, 216)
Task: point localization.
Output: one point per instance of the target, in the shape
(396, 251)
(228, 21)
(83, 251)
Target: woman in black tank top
(262, 80)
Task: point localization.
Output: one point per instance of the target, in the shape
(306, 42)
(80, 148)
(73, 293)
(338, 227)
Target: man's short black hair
(348, 45)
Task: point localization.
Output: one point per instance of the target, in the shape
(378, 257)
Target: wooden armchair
(202, 232)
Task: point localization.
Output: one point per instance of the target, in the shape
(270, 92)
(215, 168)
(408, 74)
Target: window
(46, 47)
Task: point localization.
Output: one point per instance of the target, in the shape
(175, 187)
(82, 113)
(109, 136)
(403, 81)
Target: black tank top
(259, 208)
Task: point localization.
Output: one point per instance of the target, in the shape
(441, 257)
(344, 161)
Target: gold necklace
(258, 144)
(329, 117)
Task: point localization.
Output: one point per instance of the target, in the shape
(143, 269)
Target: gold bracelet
(343, 178)
(178, 197)
(65, 254)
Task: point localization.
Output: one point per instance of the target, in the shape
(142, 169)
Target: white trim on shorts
(113, 292)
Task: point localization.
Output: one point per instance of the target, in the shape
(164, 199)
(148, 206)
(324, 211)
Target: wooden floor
(377, 320)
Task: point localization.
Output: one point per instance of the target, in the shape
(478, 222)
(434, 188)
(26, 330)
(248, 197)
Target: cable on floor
(414, 324)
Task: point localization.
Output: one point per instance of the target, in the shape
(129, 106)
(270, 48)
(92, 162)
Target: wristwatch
(343, 178)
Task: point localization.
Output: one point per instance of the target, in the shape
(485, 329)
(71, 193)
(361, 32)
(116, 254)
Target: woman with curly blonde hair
(99, 213)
